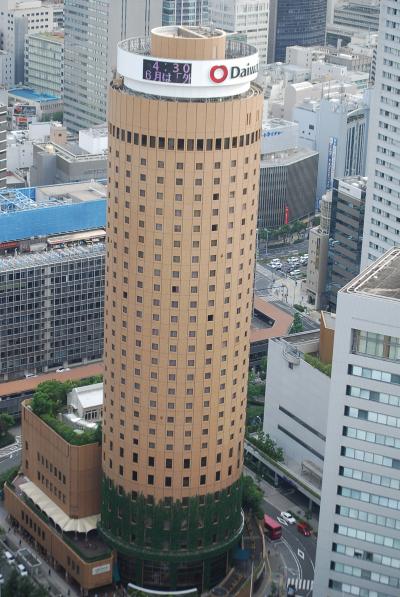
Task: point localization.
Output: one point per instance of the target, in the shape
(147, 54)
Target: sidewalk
(53, 581)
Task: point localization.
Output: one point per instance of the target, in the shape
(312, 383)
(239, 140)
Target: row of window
(368, 556)
(374, 417)
(371, 457)
(169, 501)
(370, 436)
(371, 517)
(367, 536)
(381, 397)
(376, 345)
(186, 481)
(370, 575)
(353, 589)
(367, 477)
(369, 498)
(182, 144)
(374, 374)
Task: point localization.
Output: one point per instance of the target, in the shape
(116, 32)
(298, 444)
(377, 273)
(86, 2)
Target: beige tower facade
(184, 124)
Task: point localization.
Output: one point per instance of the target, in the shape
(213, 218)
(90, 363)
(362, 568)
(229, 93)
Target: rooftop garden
(50, 399)
(314, 361)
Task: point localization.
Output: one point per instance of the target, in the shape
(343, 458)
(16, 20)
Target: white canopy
(57, 515)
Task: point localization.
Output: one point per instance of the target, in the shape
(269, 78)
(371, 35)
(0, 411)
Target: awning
(56, 514)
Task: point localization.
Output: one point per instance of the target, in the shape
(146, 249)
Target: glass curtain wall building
(185, 12)
(296, 23)
(92, 32)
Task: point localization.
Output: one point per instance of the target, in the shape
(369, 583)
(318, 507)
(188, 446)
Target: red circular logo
(218, 73)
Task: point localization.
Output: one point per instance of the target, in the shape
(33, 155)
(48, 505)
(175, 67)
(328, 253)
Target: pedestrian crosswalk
(301, 584)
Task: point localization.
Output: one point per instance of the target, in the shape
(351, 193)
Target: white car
(295, 272)
(9, 557)
(22, 570)
(276, 265)
(61, 369)
(288, 517)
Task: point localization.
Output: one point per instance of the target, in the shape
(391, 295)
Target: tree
(10, 589)
(252, 496)
(267, 445)
(297, 325)
(22, 586)
(6, 421)
(263, 367)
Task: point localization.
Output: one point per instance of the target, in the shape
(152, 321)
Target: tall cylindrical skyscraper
(184, 124)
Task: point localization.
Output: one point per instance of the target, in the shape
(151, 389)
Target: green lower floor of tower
(172, 544)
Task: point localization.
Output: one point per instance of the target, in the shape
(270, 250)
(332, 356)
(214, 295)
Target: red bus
(272, 528)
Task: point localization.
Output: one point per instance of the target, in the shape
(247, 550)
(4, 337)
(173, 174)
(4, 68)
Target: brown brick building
(56, 500)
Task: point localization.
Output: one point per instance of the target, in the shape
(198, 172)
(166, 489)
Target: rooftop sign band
(184, 79)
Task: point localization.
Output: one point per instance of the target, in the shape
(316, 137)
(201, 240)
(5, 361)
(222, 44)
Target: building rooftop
(199, 32)
(269, 321)
(32, 95)
(380, 279)
(71, 151)
(37, 212)
(286, 156)
(27, 386)
(50, 257)
(54, 36)
(88, 396)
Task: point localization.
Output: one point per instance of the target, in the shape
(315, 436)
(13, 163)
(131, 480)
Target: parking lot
(294, 266)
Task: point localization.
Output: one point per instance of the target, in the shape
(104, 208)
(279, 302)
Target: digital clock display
(167, 72)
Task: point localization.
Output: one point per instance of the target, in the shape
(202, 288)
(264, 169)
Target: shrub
(267, 445)
(51, 396)
(325, 368)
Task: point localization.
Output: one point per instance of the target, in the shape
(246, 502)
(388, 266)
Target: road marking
(295, 558)
(301, 584)
(300, 554)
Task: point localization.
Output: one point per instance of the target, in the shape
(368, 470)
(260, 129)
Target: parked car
(61, 369)
(295, 272)
(304, 529)
(22, 571)
(288, 517)
(9, 557)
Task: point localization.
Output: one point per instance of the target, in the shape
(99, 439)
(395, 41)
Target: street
(296, 552)
(10, 456)
(283, 292)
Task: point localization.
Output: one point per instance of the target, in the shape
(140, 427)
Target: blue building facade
(21, 217)
(298, 23)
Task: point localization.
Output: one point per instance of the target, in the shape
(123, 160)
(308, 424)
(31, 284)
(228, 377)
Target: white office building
(337, 127)
(92, 32)
(358, 550)
(247, 17)
(296, 401)
(382, 209)
(17, 19)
